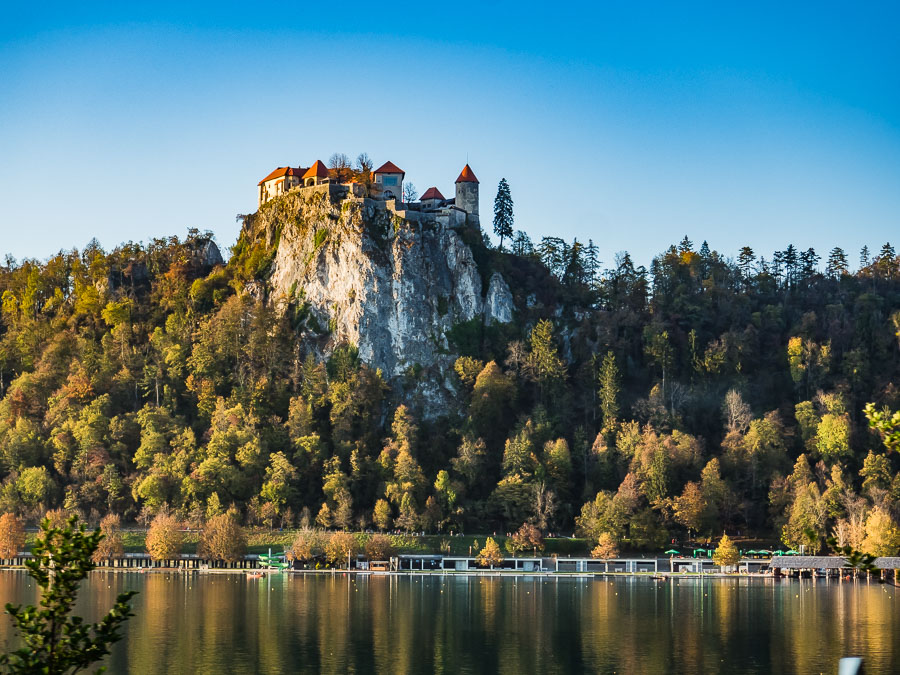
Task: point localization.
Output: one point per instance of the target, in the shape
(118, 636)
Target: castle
(385, 186)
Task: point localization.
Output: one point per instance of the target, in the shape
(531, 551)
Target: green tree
(56, 641)
(544, 364)
(503, 212)
(382, 514)
(608, 380)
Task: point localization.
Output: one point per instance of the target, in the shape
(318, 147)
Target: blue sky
(632, 124)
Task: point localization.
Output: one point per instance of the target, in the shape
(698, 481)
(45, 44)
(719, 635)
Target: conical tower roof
(467, 175)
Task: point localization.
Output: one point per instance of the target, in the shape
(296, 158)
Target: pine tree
(864, 257)
(745, 262)
(503, 212)
(686, 245)
(790, 258)
(522, 245)
(809, 263)
(837, 263)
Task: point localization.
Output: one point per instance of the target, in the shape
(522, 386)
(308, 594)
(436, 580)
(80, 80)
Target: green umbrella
(763, 551)
(672, 551)
(752, 552)
(792, 552)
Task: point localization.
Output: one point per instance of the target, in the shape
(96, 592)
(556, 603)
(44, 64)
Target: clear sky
(632, 124)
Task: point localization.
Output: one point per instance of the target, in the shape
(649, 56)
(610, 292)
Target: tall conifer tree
(503, 212)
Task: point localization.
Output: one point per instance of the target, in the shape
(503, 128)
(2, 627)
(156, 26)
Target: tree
(307, 545)
(726, 553)
(223, 539)
(503, 212)
(690, 507)
(57, 642)
(737, 413)
(608, 381)
(607, 547)
(410, 194)
(886, 424)
(882, 534)
(490, 554)
(544, 364)
(745, 262)
(12, 536)
(837, 263)
(382, 515)
(340, 547)
(379, 547)
(110, 545)
(527, 537)
(164, 538)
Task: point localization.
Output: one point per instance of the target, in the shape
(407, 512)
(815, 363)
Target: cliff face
(388, 284)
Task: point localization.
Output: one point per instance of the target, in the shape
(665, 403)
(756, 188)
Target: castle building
(279, 182)
(317, 174)
(467, 191)
(385, 187)
(390, 177)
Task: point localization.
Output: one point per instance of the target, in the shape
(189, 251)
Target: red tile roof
(467, 175)
(282, 171)
(317, 170)
(432, 193)
(389, 167)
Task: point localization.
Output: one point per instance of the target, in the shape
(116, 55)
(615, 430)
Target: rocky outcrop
(498, 304)
(393, 287)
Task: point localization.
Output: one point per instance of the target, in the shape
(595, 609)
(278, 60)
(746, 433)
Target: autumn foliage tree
(340, 547)
(223, 538)
(111, 545)
(490, 554)
(526, 538)
(379, 547)
(607, 547)
(164, 538)
(726, 553)
(12, 536)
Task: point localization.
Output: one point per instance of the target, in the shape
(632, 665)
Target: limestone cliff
(392, 283)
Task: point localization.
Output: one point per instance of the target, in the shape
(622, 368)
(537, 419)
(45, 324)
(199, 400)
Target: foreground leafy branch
(57, 642)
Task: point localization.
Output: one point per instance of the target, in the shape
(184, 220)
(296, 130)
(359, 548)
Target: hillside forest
(634, 406)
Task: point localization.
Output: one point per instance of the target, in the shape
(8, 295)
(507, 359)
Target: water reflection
(448, 624)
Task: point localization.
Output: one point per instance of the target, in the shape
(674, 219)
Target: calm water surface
(400, 624)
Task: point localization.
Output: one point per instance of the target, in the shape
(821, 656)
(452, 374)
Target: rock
(498, 305)
(392, 287)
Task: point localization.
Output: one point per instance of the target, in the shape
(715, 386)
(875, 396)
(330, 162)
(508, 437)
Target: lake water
(456, 624)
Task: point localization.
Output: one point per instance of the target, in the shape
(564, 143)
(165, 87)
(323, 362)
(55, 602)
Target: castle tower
(467, 192)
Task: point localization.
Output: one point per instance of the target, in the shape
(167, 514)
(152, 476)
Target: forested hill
(702, 394)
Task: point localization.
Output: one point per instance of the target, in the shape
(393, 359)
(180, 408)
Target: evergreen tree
(503, 212)
(837, 263)
(522, 245)
(863, 257)
(809, 263)
(791, 268)
(609, 390)
(745, 262)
